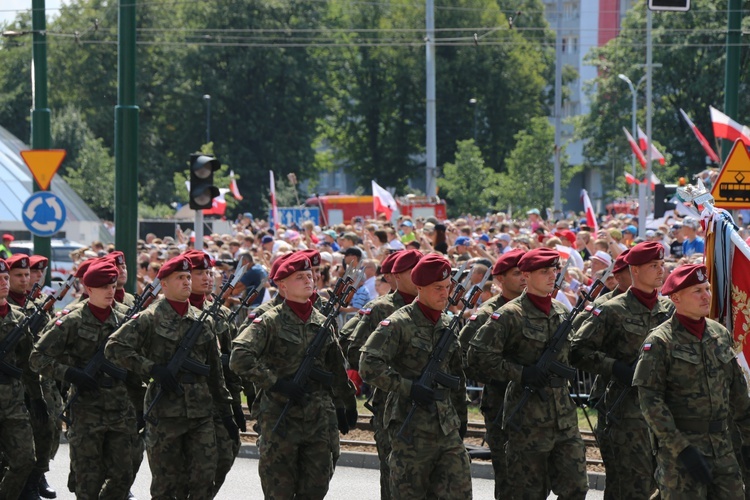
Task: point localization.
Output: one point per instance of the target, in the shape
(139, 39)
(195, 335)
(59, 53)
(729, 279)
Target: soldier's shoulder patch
(473, 317)
(385, 322)
(496, 315)
(258, 320)
(646, 347)
(588, 308)
(64, 312)
(596, 312)
(135, 316)
(58, 322)
(251, 315)
(365, 311)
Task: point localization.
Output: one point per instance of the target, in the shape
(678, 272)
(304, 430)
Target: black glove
(290, 389)
(623, 372)
(39, 411)
(239, 416)
(696, 464)
(423, 394)
(231, 427)
(164, 377)
(351, 417)
(533, 377)
(140, 422)
(462, 429)
(82, 381)
(342, 420)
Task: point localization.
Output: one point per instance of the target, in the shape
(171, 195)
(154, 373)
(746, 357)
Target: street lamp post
(207, 98)
(473, 102)
(634, 92)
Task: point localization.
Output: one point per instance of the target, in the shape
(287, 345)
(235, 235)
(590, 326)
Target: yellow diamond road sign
(732, 188)
(43, 164)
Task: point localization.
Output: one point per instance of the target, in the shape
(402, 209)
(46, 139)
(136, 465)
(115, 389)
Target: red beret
(175, 264)
(297, 261)
(3, 266)
(507, 261)
(386, 267)
(683, 277)
(38, 262)
(406, 260)
(313, 255)
(101, 272)
(276, 263)
(18, 261)
(620, 264)
(199, 259)
(429, 269)
(645, 252)
(117, 257)
(539, 258)
(82, 267)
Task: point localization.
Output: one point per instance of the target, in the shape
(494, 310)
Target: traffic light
(663, 194)
(669, 5)
(202, 189)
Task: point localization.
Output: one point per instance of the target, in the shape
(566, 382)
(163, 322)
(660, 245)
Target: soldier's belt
(701, 426)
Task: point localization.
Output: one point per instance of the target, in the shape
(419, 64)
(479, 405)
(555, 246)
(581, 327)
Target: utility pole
(732, 73)
(557, 191)
(431, 142)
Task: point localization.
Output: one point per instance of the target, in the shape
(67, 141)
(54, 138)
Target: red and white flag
(382, 201)
(634, 146)
(274, 208)
(218, 204)
(726, 128)
(590, 214)
(706, 146)
(630, 179)
(234, 189)
(643, 143)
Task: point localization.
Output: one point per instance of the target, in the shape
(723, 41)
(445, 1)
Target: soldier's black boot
(31, 488)
(45, 490)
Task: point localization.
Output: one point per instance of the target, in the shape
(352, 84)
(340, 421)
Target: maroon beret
(82, 267)
(539, 258)
(276, 263)
(3, 266)
(386, 267)
(645, 252)
(101, 272)
(429, 269)
(199, 259)
(117, 257)
(406, 260)
(173, 265)
(38, 262)
(683, 277)
(507, 261)
(620, 264)
(18, 261)
(313, 255)
(297, 261)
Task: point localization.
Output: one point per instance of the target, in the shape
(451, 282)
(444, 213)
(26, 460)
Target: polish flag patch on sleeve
(646, 347)
(365, 311)
(473, 317)
(596, 312)
(385, 322)
(258, 320)
(58, 322)
(496, 315)
(588, 308)
(251, 316)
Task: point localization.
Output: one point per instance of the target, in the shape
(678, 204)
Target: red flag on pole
(630, 179)
(726, 128)
(636, 150)
(590, 214)
(383, 202)
(218, 204)
(235, 190)
(706, 146)
(643, 143)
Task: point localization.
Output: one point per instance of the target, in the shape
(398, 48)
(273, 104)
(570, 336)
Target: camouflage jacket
(152, 337)
(261, 310)
(273, 347)
(615, 331)
(601, 299)
(684, 381)
(516, 336)
(370, 317)
(395, 355)
(225, 334)
(71, 341)
(12, 393)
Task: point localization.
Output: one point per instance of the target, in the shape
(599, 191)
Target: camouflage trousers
(675, 483)
(628, 460)
(100, 453)
(181, 451)
(496, 438)
(541, 459)
(433, 465)
(383, 444)
(47, 434)
(17, 444)
(227, 449)
(299, 464)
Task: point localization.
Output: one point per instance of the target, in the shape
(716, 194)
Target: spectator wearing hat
(692, 243)
(296, 462)
(5, 246)
(607, 344)
(348, 240)
(502, 243)
(600, 261)
(329, 240)
(535, 219)
(507, 348)
(407, 230)
(103, 429)
(628, 235)
(511, 282)
(394, 242)
(675, 247)
(693, 395)
(185, 431)
(252, 277)
(17, 440)
(435, 464)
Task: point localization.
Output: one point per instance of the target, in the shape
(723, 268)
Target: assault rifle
(34, 322)
(341, 284)
(34, 292)
(250, 295)
(431, 372)
(99, 363)
(457, 286)
(181, 361)
(547, 362)
(307, 370)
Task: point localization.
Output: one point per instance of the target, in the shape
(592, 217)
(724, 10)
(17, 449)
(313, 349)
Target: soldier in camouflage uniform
(607, 344)
(181, 442)
(512, 283)
(277, 300)
(297, 461)
(121, 296)
(373, 313)
(689, 383)
(16, 435)
(103, 417)
(435, 463)
(545, 450)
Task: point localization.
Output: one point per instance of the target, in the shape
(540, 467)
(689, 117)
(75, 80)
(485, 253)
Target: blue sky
(9, 8)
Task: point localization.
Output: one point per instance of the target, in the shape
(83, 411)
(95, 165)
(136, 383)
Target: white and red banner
(274, 208)
(589, 209)
(634, 146)
(234, 189)
(218, 204)
(382, 201)
(630, 179)
(726, 128)
(643, 143)
(701, 138)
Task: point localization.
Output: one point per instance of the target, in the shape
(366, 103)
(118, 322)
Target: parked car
(61, 263)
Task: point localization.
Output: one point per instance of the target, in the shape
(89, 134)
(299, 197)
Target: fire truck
(343, 208)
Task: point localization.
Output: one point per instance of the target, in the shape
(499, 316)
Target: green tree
(468, 185)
